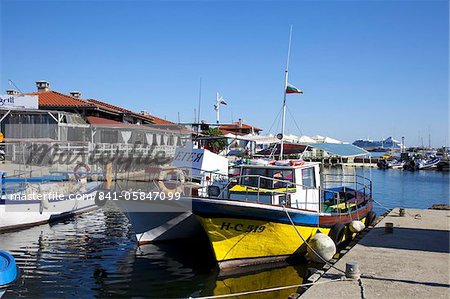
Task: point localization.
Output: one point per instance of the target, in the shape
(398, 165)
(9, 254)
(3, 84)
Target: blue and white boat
(427, 163)
(26, 202)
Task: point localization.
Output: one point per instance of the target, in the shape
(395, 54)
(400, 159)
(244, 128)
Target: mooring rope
(267, 290)
(309, 246)
(381, 205)
(416, 216)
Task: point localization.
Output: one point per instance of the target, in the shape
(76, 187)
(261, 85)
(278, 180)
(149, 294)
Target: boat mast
(199, 105)
(286, 74)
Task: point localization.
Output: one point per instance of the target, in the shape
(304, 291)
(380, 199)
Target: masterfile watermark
(47, 196)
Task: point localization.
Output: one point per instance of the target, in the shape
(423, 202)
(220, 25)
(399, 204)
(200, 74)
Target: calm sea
(93, 255)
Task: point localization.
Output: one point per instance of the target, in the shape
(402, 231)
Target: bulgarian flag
(292, 89)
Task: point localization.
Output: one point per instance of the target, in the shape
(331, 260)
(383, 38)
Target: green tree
(216, 145)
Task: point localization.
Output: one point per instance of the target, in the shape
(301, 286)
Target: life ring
(337, 233)
(370, 218)
(163, 178)
(77, 168)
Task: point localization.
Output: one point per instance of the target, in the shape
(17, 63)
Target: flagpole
(217, 107)
(286, 74)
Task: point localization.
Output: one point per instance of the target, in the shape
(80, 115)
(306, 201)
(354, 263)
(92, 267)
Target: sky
(368, 69)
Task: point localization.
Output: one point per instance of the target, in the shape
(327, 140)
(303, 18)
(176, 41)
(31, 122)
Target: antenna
(286, 73)
(13, 84)
(199, 99)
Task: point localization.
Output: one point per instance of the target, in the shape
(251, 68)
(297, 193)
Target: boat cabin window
(267, 178)
(308, 177)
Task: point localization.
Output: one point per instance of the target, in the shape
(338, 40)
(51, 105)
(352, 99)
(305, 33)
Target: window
(308, 177)
(278, 176)
(251, 177)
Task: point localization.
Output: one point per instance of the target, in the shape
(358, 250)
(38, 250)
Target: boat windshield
(259, 178)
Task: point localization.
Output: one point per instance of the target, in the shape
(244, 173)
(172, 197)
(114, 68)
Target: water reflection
(94, 255)
(263, 279)
(65, 258)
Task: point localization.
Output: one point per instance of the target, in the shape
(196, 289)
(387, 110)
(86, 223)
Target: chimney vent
(42, 85)
(75, 94)
(12, 92)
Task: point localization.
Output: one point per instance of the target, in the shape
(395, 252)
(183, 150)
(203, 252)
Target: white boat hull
(22, 214)
(183, 226)
(151, 227)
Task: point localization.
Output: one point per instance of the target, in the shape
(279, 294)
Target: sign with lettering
(198, 160)
(18, 101)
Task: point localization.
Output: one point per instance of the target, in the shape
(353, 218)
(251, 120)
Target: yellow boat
(259, 219)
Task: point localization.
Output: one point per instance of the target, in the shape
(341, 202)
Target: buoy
(8, 269)
(323, 246)
(356, 226)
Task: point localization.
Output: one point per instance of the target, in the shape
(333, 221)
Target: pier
(411, 262)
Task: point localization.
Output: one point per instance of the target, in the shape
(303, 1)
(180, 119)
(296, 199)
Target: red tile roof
(94, 120)
(109, 106)
(54, 98)
(100, 121)
(158, 121)
(237, 126)
(155, 120)
(225, 132)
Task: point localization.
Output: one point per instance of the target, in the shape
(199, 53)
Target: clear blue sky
(367, 68)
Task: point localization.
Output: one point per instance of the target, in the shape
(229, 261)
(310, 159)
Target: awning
(236, 153)
(288, 149)
(340, 149)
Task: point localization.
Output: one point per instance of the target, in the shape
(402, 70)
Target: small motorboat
(392, 163)
(395, 164)
(26, 202)
(428, 163)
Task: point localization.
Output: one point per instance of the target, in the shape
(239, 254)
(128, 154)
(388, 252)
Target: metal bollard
(352, 270)
(402, 212)
(389, 228)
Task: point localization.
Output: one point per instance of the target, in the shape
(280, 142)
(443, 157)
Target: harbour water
(93, 255)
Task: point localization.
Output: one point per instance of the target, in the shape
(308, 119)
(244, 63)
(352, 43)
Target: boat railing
(286, 190)
(358, 183)
(204, 177)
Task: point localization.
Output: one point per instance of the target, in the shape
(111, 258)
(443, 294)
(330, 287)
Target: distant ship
(371, 145)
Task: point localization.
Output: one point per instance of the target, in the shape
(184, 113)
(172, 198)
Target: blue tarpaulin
(340, 149)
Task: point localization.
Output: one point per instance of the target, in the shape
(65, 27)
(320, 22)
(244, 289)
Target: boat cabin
(281, 183)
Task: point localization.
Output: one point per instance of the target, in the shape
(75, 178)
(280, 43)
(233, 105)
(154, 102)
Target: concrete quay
(411, 262)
